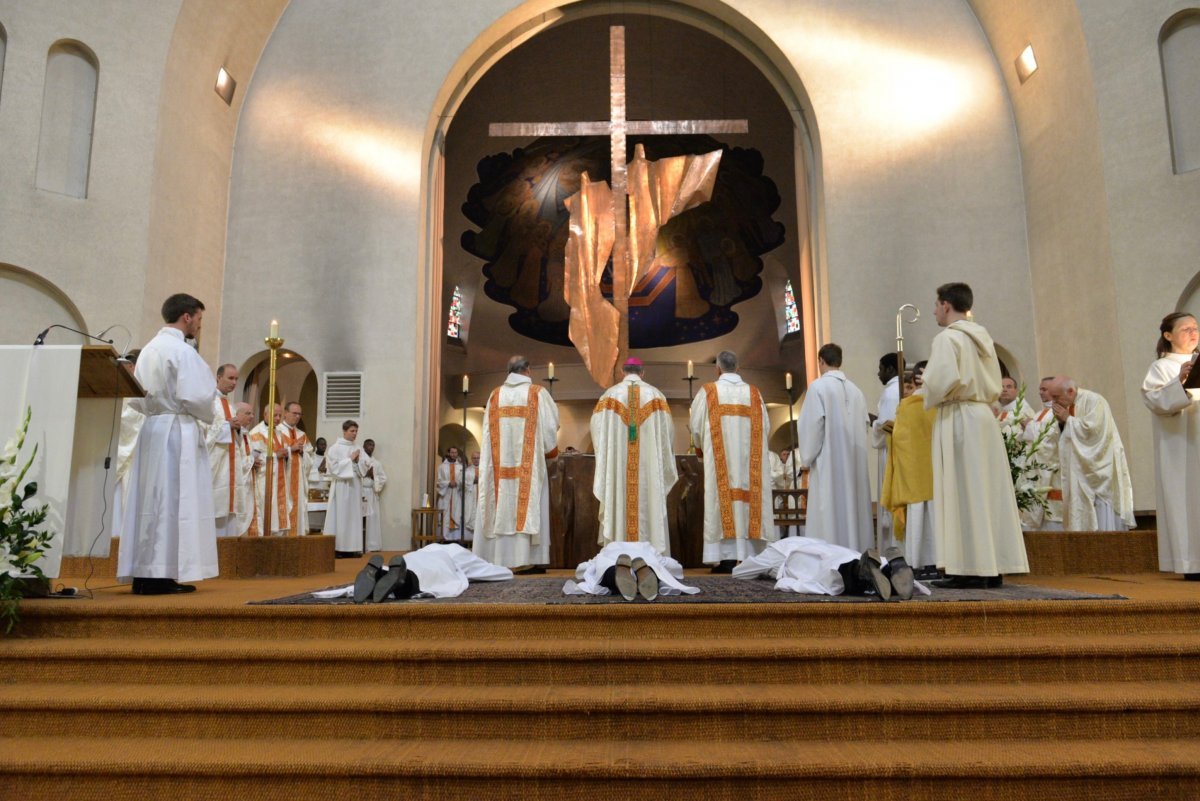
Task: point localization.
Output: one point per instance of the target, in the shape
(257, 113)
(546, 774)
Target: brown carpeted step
(602, 662)
(765, 712)
(117, 769)
(540, 622)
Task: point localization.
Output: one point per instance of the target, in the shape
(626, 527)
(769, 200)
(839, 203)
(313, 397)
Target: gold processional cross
(618, 129)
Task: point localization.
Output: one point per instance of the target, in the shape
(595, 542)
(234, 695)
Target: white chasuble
(635, 464)
(222, 460)
(280, 514)
(1097, 490)
(173, 534)
(1048, 479)
(976, 523)
(450, 493)
(373, 482)
(729, 426)
(1176, 424)
(344, 516)
(512, 518)
(832, 432)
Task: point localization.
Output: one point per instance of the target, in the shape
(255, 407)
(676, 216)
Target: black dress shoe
(870, 573)
(624, 578)
(724, 566)
(365, 581)
(995, 582)
(160, 586)
(347, 554)
(1191, 576)
(393, 577)
(532, 570)
(899, 573)
(962, 583)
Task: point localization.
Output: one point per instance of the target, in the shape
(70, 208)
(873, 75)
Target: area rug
(713, 590)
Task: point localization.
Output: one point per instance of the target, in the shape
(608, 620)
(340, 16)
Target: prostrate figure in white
(629, 569)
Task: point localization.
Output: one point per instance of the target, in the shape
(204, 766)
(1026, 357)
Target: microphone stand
(41, 338)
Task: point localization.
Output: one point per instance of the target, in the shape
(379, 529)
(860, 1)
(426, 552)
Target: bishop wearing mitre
(729, 428)
(635, 463)
(520, 432)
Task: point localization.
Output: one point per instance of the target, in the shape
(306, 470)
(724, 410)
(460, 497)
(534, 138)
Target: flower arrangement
(21, 543)
(1024, 463)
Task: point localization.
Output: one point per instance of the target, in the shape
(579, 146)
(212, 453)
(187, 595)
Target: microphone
(41, 338)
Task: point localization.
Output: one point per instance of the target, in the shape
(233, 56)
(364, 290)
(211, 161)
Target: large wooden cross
(618, 128)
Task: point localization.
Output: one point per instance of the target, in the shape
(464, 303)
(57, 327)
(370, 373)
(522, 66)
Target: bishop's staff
(900, 340)
(274, 342)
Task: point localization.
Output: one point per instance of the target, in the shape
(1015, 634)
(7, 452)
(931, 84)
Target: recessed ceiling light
(225, 86)
(1026, 63)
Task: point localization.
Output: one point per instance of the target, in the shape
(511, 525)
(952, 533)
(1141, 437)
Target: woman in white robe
(1176, 426)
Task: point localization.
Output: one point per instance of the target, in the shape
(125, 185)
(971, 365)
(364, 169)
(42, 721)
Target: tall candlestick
(691, 369)
(787, 380)
(274, 329)
(550, 372)
(466, 383)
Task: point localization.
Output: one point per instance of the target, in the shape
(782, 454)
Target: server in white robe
(1042, 429)
(976, 523)
(832, 430)
(471, 476)
(786, 474)
(299, 463)
(344, 517)
(589, 575)
(280, 514)
(222, 455)
(520, 432)
(174, 536)
(1176, 425)
(729, 427)
(248, 462)
(131, 424)
(439, 570)
(632, 432)
(374, 479)
(881, 427)
(317, 480)
(1097, 489)
(450, 495)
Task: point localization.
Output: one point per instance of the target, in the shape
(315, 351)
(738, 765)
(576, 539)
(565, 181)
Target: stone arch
(1179, 56)
(32, 303)
(454, 434)
(295, 380)
(68, 118)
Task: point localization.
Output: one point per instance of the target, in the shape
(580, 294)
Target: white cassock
(801, 564)
(976, 523)
(512, 517)
(131, 423)
(344, 517)
(371, 487)
(222, 460)
(472, 478)
(832, 431)
(450, 499)
(783, 476)
(316, 479)
(886, 412)
(1050, 518)
(280, 511)
(632, 434)
(298, 466)
(730, 426)
(444, 570)
(589, 573)
(245, 501)
(173, 534)
(1176, 425)
(1097, 490)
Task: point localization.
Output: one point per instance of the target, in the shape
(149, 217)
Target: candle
(425, 501)
(787, 380)
(691, 369)
(274, 329)
(466, 384)
(551, 371)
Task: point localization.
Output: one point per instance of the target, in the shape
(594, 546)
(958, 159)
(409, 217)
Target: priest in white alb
(520, 432)
(450, 494)
(1042, 429)
(976, 523)
(173, 536)
(280, 514)
(1097, 489)
(632, 434)
(222, 455)
(832, 432)
(344, 517)
(299, 463)
(729, 426)
(374, 479)
(248, 462)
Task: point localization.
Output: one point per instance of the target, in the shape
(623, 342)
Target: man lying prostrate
(629, 569)
(435, 571)
(815, 567)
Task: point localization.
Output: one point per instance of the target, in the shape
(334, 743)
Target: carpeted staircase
(1053, 700)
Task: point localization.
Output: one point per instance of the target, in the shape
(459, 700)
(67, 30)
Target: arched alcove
(453, 434)
(295, 380)
(1179, 52)
(31, 303)
(68, 119)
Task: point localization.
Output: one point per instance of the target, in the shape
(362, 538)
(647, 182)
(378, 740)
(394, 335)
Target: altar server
(632, 434)
(976, 523)
(1097, 490)
(374, 479)
(832, 431)
(173, 536)
(520, 432)
(344, 517)
(908, 478)
(881, 429)
(1176, 445)
(1042, 429)
(280, 515)
(222, 455)
(449, 488)
(729, 429)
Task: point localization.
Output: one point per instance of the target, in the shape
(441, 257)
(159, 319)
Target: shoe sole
(364, 582)
(647, 579)
(385, 584)
(625, 580)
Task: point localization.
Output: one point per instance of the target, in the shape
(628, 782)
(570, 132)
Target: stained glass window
(790, 312)
(454, 324)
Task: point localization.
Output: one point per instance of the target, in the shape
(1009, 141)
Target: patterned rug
(713, 590)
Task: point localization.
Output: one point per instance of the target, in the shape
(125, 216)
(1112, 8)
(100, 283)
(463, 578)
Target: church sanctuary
(574, 399)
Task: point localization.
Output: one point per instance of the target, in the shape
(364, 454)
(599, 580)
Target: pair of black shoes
(376, 583)
(160, 586)
(893, 580)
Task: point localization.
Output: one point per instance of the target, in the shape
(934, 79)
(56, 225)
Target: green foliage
(21, 542)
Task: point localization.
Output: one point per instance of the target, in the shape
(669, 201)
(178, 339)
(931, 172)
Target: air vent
(343, 395)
